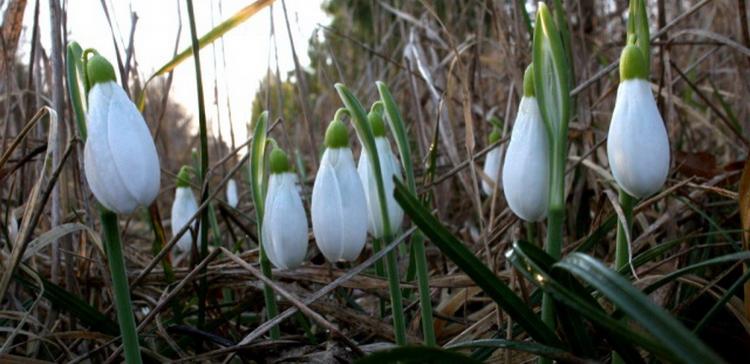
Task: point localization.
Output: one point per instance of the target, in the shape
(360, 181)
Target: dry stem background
(451, 65)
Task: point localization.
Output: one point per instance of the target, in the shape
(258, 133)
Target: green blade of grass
(416, 354)
(474, 268)
(671, 333)
(257, 170)
(536, 266)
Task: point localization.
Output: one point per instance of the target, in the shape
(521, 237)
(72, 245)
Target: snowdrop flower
(284, 230)
(183, 208)
(120, 160)
(389, 167)
(339, 207)
(12, 225)
(232, 199)
(492, 164)
(526, 170)
(637, 143)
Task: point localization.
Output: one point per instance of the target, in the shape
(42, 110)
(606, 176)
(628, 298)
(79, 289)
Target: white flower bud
(492, 163)
(120, 160)
(526, 169)
(183, 208)
(389, 167)
(284, 230)
(637, 143)
(339, 207)
(232, 197)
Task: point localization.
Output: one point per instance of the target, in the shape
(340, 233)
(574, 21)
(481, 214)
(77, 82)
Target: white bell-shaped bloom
(339, 207)
(120, 160)
(184, 207)
(12, 226)
(492, 163)
(526, 169)
(637, 143)
(389, 167)
(284, 230)
(232, 197)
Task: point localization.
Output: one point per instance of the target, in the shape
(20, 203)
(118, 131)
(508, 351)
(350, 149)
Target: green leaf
(396, 123)
(551, 75)
(257, 165)
(536, 266)
(74, 66)
(474, 268)
(670, 332)
(638, 29)
(528, 347)
(416, 354)
(217, 32)
(66, 301)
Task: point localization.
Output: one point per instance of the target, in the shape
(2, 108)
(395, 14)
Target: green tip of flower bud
(278, 161)
(376, 124)
(183, 177)
(337, 136)
(528, 81)
(99, 70)
(494, 135)
(632, 64)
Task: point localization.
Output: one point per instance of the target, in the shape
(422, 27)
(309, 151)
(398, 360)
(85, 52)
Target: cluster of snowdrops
(122, 168)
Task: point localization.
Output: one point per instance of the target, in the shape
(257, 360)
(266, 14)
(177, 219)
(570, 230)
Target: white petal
(492, 170)
(526, 169)
(284, 228)
(389, 168)
(183, 208)
(120, 159)
(339, 208)
(232, 198)
(637, 143)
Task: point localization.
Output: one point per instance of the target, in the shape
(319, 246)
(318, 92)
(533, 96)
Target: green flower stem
(395, 121)
(203, 286)
(120, 288)
(622, 248)
(377, 245)
(359, 120)
(531, 232)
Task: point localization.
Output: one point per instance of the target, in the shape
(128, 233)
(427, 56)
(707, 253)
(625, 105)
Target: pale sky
(249, 47)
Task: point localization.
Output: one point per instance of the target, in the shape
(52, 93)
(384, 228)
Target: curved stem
(622, 248)
(120, 288)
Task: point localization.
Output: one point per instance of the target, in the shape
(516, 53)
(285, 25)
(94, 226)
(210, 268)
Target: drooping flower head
(184, 207)
(637, 142)
(284, 230)
(232, 196)
(492, 164)
(120, 160)
(389, 167)
(526, 168)
(339, 207)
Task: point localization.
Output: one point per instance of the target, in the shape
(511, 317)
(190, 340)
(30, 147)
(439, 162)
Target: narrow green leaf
(217, 32)
(638, 29)
(66, 301)
(551, 75)
(74, 66)
(474, 268)
(670, 332)
(528, 347)
(416, 354)
(396, 123)
(257, 158)
(536, 266)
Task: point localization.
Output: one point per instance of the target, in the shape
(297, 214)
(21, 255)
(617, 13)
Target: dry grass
(451, 66)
